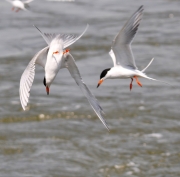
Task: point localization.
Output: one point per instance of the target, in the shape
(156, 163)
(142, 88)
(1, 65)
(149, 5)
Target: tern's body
(119, 72)
(20, 5)
(54, 61)
(122, 56)
(53, 58)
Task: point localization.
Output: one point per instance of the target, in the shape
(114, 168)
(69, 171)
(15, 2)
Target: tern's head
(46, 85)
(103, 76)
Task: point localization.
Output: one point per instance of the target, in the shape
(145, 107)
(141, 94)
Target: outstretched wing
(121, 45)
(111, 53)
(68, 39)
(27, 2)
(28, 76)
(73, 69)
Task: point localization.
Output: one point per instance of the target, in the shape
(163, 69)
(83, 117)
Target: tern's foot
(17, 10)
(130, 87)
(131, 84)
(137, 81)
(12, 9)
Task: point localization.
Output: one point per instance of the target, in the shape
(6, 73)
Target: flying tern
(122, 56)
(19, 5)
(53, 58)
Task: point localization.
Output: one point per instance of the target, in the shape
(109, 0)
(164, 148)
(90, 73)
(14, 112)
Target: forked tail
(155, 79)
(150, 78)
(148, 65)
(145, 76)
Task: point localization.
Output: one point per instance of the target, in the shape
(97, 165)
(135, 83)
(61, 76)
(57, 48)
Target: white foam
(155, 135)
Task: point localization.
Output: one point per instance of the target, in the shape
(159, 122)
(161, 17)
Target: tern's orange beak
(47, 90)
(66, 51)
(100, 82)
(56, 52)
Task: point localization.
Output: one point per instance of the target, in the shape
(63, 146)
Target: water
(59, 134)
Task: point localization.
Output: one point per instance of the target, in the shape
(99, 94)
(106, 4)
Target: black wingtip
(141, 8)
(108, 128)
(37, 28)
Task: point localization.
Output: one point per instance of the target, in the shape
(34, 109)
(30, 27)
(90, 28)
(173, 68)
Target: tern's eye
(55, 52)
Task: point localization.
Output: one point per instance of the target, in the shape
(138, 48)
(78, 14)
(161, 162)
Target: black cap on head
(44, 81)
(104, 72)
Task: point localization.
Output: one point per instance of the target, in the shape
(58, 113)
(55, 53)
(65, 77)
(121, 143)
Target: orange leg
(137, 81)
(17, 10)
(131, 83)
(12, 8)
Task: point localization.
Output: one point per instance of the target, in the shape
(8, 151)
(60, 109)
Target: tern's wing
(9, 1)
(28, 76)
(68, 39)
(73, 69)
(121, 45)
(111, 53)
(28, 1)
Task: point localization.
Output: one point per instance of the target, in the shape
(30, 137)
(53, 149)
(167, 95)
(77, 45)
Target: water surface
(59, 134)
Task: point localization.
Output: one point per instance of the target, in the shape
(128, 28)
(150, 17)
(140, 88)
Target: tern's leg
(131, 83)
(18, 10)
(138, 82)
(13, 8)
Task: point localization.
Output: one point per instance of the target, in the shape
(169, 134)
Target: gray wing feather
(71, 66)
(28, 1)
(27, 77)
(48, 37)
(111, 53)
(68, 39)
(121, 45)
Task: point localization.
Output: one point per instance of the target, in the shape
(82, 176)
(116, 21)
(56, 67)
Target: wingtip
(104, 122)
(36, 28)
(87, 26)
(23, 107)
(39, 30)
(107, 128)
(141, 7)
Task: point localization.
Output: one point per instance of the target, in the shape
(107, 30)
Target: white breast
(54, 61)
(18, 4)
(121, 72)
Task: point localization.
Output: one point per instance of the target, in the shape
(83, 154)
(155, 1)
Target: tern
(53, 58)
(20, 5)
(122, 56)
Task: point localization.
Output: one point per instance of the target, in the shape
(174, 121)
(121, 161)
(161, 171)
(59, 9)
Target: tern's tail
(148, 65)
(145, 76)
